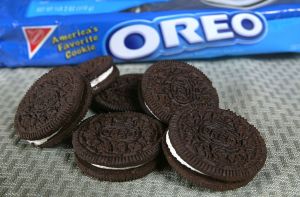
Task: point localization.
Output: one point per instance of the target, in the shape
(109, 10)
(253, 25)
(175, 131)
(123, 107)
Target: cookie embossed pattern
(216, 147)
(168, 86)
(53, 107)
(210, 147)
(122, 95)
(108, 146)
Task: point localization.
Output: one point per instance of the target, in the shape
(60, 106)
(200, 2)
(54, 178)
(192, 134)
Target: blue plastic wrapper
(62, 32)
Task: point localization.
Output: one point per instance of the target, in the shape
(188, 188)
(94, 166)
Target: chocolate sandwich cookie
(249, 4)
(214, 148)
(118, 146)
(121, 95)
(53, 107)
(100, 72)
(168, 86)
(172, 5)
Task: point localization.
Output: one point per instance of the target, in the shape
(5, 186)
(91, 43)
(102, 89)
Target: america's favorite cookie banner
(50, 33)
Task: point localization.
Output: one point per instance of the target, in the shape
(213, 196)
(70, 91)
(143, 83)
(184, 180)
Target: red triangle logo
(36, 36)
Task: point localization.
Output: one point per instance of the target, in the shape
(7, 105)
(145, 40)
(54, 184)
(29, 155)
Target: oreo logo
(175, 34)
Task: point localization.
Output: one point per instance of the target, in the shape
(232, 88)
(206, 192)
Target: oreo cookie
(121, 95)
(100, 72)
(168, 86)
(202, 5)
(248, 4)
(118, 146)
(53, 107)
(214, 148)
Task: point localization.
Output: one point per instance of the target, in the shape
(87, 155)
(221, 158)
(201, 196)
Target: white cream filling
(151, 111)
(138, 10)
(42, 141)
(102, 77)
(174, 154)
(113, 168)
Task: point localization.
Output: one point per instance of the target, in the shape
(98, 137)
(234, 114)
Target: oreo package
(53, 32)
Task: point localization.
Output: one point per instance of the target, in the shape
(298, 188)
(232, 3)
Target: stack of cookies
(172, 108)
